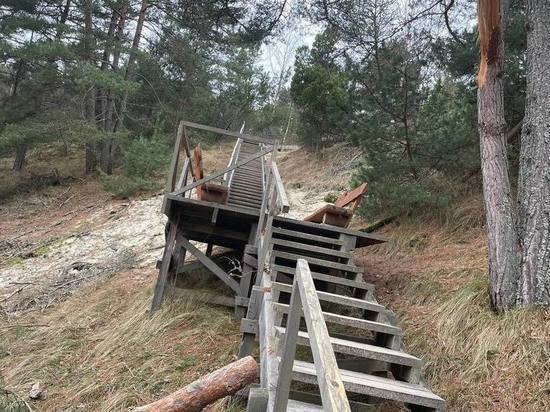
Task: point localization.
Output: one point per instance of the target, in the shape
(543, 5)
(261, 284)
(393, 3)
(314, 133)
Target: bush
(144, 159)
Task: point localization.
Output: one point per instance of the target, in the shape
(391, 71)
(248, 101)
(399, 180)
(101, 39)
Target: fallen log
(206, 390)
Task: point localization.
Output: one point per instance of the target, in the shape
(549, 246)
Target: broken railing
(182, 187)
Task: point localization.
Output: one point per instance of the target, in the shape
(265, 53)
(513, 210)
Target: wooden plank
(165, 266)
(329, 380)
(308, 236)
(351, 196)
(210, 205)
(174, 161)
(319, 262)
(338, 299)
(352, 322)
(220, 173)
(245, 137)
(328, 278)
(376, 386)
(285, 205)
(183, 176)
(289, 350)
(311, 248)
(362, 350)
(210, 265)
(363, 239)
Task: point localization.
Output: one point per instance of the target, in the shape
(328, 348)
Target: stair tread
(309, 236)
(328, 278)
(316, 261)
(297, 406)
(357, 382)
(310, 248)
(335, 298)
(364, 350)
(358, 323)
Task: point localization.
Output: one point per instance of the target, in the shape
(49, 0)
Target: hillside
(79, 268)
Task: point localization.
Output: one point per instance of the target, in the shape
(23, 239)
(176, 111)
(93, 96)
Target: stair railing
(304, 302)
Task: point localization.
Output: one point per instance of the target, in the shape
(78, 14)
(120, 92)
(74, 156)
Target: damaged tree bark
(497, 193)
(216, 385)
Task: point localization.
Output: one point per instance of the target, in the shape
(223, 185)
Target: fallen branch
(208, 389)
(379, 224)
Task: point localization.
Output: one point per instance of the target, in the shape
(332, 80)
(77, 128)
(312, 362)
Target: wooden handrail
(304, 300)
(245, 137)
(228, 177)
(281, 193)
(222, 172)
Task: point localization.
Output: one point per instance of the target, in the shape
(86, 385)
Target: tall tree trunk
(107, 146)
(101, 103)
(131, 59)
(499, 208)
(534, 173)
(20, 154)
(91, 147)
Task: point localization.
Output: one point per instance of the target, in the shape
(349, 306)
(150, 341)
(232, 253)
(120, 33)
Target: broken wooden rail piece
(217, 385)
(339, 214)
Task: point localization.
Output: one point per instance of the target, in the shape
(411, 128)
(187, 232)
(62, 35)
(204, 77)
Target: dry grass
(434, 275)
(100, 350)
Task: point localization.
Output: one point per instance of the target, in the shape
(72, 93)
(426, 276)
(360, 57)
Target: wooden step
(297, 406)
(328, 278)
(245, 203)
(315, 261)
(376, 386)
(246, 195)
(338, 299)
(307, 236)
(349, 321)
(311, 248)
(362, 350)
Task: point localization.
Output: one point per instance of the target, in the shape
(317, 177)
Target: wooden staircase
(364, 337)
(247, 183)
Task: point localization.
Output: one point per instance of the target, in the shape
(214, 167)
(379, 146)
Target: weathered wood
(165, 266)
(375, 386)
(204, 391)
(351, 321)
(283, 199)
(184, 174)
(245, 137)
(318, 262)
(328, 278)
(174, 162)
(329, 380)
(311, 248)
(289, 350)
(221, 172)
(307, 236)
(210, 265)
(352, 196)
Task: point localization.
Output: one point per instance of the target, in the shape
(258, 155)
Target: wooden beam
(174, 162)
(245, 137)
(165, 266)
(329, 379)
(285, 205)
(183, 176)
(210, 265)
(222, 172)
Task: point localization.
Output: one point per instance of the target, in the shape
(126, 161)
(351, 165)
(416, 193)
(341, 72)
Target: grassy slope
(433, 274)
(101, 351)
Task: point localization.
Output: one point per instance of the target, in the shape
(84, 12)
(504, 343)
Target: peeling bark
(499, 208)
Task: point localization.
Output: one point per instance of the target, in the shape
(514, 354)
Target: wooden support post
(165, 266)
(289, 350)
(257, 400)
(210, 265)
